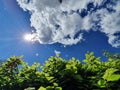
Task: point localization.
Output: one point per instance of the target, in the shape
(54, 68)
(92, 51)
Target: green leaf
(108, 73)
(50, 88)
(42, 88)
(58, 88)
(55, 84)
(114, 77)
(30, 88)
(101, 83)
(68, 66)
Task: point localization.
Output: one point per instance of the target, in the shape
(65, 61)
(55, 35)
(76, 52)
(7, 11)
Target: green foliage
(60, 74)
(42, 88)
(54, 87)
(101, 83)
(15, 74)
(30, 88)
(110, 75)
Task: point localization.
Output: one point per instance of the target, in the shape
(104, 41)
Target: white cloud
(114, 40)
(55, 22)
(57, 52)
(110, 23)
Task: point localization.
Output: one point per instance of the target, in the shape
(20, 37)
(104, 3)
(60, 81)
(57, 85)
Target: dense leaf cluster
(60, 74)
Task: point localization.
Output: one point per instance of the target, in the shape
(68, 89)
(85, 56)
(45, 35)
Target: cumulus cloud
(64, 23)
(114, 40)
(110, 23)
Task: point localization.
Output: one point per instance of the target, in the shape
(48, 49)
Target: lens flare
(30, 37)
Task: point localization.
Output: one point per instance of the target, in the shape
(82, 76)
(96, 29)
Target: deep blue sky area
(14, 23)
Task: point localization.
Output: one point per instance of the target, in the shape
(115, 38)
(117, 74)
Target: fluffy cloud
(114, 40)
(110, 23)
(57, 52)
(64, 23)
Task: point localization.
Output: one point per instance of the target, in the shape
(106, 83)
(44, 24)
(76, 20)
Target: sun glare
(28, 37)
(31, 37)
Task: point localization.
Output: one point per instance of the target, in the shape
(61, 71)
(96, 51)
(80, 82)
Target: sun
(28, 37)
(31, 37)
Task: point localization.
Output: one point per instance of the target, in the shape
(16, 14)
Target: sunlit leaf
(108, 73)
(101, 83)
(42, 88)
(114, 77)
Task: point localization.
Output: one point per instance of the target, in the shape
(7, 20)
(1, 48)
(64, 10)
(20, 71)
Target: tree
(60, 74)
(9, 73)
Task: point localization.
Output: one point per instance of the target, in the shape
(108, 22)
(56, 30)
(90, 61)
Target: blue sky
(70, 34)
